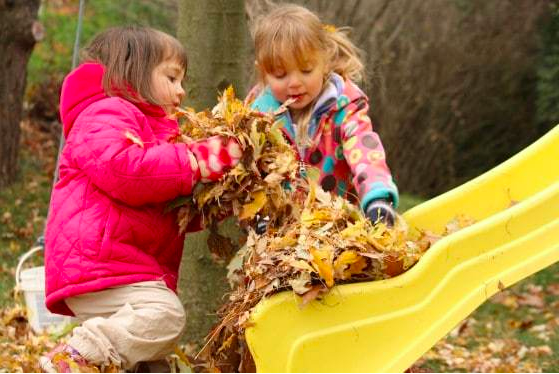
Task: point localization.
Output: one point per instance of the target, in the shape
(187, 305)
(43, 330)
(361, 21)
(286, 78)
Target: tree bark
(203, 283)
(19, 31)
(215, 35)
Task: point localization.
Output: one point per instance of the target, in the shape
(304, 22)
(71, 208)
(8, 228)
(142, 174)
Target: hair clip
(328, 28)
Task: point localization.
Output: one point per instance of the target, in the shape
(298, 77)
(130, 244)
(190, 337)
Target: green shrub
(52, 57)
(548, 73)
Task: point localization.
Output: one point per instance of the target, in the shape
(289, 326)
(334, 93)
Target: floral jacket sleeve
(364, 153)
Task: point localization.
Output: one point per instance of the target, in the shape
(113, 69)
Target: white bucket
(32, 283)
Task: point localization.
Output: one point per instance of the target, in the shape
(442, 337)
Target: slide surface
(385, 326)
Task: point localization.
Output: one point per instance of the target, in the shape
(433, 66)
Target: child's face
(166, 80)
(303, 83)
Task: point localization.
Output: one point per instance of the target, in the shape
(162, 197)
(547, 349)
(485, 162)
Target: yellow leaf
(312, 194)
(301, 284)
(250, 209)
(238, 172)
(275, 133)
(258, 139)
(313, 173)
(377, 242)
(285, 162)
(229, 93)
(309, 218)
(322, 262)
(209, 193)
(356, 268)
(229, 107)
(352, 230)
(301, 264)
(274, 178)
(134, 139)
(286, 241)
(180, 354)
(226, 344)
(344, 259)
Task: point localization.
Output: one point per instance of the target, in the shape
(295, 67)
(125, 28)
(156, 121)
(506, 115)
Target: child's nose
(180, 91)
(294, 81)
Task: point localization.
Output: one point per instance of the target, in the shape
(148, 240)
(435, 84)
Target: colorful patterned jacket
(343, 145)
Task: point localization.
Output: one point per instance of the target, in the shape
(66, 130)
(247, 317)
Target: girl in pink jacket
(312, 65)
(112, 248)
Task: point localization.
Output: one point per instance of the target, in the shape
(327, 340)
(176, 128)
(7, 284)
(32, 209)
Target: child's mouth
(296, 97)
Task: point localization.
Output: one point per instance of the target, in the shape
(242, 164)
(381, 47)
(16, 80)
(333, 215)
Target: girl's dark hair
(130, 54)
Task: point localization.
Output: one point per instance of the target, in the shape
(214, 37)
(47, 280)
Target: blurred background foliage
(456, 86)
(59, 18)
(52, 57)
(548, 71)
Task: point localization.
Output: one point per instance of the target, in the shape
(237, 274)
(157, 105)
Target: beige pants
(126, 325)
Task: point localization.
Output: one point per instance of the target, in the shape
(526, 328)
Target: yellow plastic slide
(384, 326)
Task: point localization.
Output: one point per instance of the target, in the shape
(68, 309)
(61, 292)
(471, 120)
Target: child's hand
(216, 155)
(261, 224)
(381, 211)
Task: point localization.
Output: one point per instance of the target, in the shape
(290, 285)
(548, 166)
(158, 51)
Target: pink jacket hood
(81, 88)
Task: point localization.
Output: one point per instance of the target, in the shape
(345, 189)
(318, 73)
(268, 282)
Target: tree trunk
(215, 35)
(203, 283)
(19, 31)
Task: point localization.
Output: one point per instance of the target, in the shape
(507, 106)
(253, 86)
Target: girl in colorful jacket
(311, 67)
(112, 248)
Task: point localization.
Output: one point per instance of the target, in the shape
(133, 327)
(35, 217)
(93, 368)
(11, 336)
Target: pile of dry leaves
(326, 241)
(255, 185)
(314, 240)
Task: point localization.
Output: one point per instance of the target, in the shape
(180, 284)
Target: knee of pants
(180, 317)
(173, 315)
(163, 318)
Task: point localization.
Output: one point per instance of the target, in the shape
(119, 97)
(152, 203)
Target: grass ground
(516, 330)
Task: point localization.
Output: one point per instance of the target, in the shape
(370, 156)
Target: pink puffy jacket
(108, 224)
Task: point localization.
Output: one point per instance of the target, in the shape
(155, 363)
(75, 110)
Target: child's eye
(172, 79)
(278, 74)
(307, 71)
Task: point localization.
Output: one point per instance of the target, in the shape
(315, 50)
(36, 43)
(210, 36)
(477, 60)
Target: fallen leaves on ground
(20, 347)
(526, 326)
(465, 349)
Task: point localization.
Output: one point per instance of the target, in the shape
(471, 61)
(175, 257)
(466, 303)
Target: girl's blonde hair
(130, 54)
(294, 32)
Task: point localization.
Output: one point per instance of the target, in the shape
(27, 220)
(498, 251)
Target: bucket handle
(22, 259)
